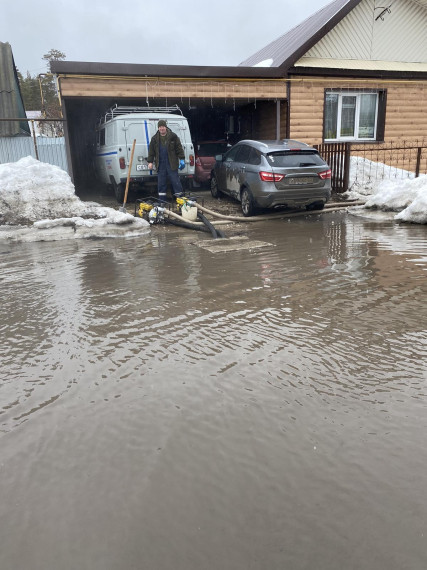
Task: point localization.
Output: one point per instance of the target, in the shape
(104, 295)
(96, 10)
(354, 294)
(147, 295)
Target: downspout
(288, 109)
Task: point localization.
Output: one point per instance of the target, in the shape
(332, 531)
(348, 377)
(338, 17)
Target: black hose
(207, 223)
(214, 231)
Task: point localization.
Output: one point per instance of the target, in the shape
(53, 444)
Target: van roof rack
(116, 111)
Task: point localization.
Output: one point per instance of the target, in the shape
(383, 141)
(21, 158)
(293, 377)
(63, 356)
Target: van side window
(175, 128)
(109, 134)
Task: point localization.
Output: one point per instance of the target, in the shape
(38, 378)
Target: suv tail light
(326, 174)
(122, 162)
(270, 176)
(191, 159)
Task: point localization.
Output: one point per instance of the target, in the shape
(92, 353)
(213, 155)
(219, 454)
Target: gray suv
(272, 174)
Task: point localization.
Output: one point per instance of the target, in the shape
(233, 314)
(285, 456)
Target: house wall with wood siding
(405, 121)
(265, 120)
(153, 87)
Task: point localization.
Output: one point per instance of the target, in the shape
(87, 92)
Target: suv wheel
(247, 202)
(214, 188)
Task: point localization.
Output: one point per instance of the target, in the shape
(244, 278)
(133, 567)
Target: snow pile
(33, 192)
(416, 212)
(389, 189)
(365, 175)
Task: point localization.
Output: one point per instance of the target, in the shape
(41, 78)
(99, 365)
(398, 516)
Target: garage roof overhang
(150, 70)
(91, 79)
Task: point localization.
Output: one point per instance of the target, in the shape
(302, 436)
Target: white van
(115, 134)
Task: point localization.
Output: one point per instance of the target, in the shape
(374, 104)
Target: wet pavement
(171, 401)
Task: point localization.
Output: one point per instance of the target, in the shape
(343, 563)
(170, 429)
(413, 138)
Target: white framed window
(351, 115)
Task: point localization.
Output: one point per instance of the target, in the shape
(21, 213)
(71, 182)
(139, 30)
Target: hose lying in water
(216, 233)
(188, 225)
(284, 214)
(205, 226)
(223, 219)
(223, 216)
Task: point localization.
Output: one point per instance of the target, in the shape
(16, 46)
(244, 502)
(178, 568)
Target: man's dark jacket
(174, 146)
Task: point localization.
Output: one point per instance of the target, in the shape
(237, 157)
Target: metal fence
(367, 164)
(50, 149)
(337, 155)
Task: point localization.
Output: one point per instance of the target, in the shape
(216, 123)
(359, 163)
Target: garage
(230, 103)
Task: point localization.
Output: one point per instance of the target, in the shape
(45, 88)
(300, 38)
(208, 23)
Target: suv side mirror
(219, 157)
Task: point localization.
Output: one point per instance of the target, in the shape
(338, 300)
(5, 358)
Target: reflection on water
(168, 405)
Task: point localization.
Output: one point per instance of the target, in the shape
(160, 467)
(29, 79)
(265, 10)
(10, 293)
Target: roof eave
(356, 73)
(153, 70)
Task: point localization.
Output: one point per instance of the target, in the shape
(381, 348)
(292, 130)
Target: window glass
(331, 115)
(294, 159)
(368, 108)
(254, 157)
(231, 154)
(175, 128)
(348, 115)
(108, 138)
(243, 154)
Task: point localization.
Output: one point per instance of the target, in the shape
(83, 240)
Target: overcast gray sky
(179, 32)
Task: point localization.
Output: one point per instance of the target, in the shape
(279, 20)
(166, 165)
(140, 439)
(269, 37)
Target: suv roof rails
(116, 111)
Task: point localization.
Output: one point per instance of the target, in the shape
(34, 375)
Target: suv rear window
(295, 159)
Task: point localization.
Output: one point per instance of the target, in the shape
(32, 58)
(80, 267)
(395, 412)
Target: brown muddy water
(174, 402)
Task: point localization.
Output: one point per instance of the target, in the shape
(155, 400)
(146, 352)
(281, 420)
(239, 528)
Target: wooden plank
(123, 87)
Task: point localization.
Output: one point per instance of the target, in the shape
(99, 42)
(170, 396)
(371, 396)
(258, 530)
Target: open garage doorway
(230, 120)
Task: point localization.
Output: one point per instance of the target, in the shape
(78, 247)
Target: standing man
(166, 152)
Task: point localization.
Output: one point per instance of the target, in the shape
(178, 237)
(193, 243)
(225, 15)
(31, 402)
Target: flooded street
(174, 402)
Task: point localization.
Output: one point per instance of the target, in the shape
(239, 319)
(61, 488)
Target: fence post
(347, 154)
(35, 140)
(417, 168)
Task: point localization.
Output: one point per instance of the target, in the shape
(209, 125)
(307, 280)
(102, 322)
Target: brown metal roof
(288, 49)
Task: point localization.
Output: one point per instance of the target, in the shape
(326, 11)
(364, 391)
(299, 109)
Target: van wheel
(119, 191)
(247, 202)
(214, 188)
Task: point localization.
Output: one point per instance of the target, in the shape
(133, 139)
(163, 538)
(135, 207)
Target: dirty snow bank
(388, 189)
(42, 197)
